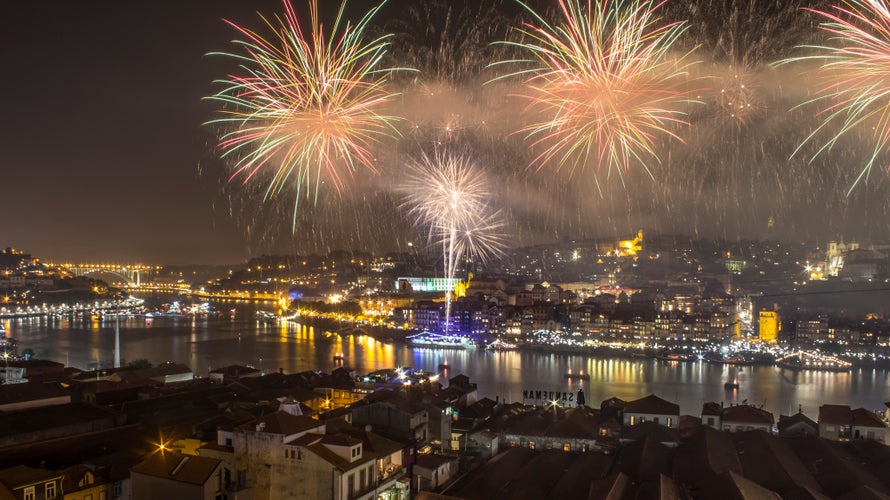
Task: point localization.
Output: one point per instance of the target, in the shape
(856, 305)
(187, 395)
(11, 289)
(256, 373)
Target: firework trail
(856, 69)
(603, 83)
(448, 197)
(307, 106)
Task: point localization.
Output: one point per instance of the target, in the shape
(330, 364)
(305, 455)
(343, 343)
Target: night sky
(105, 158)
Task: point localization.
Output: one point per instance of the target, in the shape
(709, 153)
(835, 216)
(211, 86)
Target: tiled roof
(22, 475)
(747, 414)
(281, 422)
(178, 467)
(340, 440)
(866, 418)
(786, 422)
(652, 405)
(834, 414)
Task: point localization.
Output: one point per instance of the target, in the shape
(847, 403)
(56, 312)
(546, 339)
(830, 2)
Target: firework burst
(856, 67)
(307, 106)
(603, 83)
(448, 197)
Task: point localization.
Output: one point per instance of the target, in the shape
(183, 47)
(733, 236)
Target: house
(834, 422)
(433, 471)
(652, 409)
(868, 425)
(746, 418)
(710, 415)
(797, 425)
(29, 483)
(185, 477)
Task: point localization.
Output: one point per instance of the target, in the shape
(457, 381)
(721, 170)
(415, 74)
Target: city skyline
(107, 157)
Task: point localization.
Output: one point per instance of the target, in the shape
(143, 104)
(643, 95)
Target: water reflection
(206, 343)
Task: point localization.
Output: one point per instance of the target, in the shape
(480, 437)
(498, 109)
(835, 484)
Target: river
(204, 344)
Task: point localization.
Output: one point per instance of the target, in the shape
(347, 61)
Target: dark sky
(104, 156)
(102, 140)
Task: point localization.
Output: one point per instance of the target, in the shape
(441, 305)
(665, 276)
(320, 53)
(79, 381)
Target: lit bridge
(129, 274)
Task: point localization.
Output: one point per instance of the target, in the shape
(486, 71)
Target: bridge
(128, 273)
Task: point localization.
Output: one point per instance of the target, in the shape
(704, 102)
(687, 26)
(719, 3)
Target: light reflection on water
(204, 344)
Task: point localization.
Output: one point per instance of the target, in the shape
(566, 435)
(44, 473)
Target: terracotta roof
(178, 467)
(281, 422)
(22, 475)
(786, 421)
(865, 418)
(834, 414)
(732, 486)
(711, 408)
(339, 462)
(340, 440)
(652, 405)
(747, 414)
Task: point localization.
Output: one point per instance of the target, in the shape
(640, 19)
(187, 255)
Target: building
(262, 450)
(172, 475)
(769, 326)
(652, 409)
(867, 424)
(834, 422)
(29, 483)
(433, 471)
(746, 418)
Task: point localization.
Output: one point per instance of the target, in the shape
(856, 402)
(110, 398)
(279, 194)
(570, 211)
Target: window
(566, 447)
(50, 490)
(362, 478)
(531, 445)
(350, 481)
(116, 489)
(633, 420)
(670, 421)
(29, 493)
(710, 420)
(655, 420)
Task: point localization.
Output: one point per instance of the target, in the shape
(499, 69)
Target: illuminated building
(630, 248)
(834, 258)
(412, 284)
(769, 326)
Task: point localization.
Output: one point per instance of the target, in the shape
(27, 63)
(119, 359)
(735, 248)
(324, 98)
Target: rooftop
(281, 422)
(652, 405)
(177, 467)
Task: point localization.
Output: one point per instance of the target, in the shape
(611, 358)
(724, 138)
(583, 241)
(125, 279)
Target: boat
(577, 376)
(805, 360)
(728, 360)
(436, 340)
(501, 345)
(732, 385)
(444, 365)
(338, 358)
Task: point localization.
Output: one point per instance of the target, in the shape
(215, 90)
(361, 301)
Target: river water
(207, 343)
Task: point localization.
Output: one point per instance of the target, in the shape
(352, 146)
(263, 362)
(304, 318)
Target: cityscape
(446, 249)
